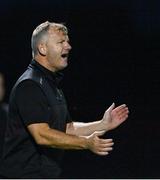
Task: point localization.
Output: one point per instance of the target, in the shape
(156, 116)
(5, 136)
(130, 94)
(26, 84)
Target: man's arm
(112, 118)
(46, 136)
(84, 129)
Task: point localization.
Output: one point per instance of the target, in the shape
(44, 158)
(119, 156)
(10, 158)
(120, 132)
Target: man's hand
(113, 117)
(99, 146)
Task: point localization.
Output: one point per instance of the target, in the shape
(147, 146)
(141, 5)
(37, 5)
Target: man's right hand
(46, 136)
(99, 146)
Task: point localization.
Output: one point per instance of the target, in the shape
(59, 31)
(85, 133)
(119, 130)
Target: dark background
(115, 58)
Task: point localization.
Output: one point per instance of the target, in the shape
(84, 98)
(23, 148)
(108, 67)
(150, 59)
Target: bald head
(42, 32)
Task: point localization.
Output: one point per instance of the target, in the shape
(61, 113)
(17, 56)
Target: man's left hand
(113, 117)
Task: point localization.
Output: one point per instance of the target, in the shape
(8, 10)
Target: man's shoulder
(30, 78)
(29, 75)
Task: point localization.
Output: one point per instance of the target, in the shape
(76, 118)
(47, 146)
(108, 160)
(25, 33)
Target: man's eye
(60, 42)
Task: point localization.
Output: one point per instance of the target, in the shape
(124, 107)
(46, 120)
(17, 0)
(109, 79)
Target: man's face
(57, 50)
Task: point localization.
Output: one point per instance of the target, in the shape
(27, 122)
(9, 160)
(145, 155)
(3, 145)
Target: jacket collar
(54, 76)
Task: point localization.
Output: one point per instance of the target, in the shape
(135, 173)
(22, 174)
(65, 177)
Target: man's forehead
(57, 29)
(58, 33)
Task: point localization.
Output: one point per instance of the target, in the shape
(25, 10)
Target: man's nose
(68, 46)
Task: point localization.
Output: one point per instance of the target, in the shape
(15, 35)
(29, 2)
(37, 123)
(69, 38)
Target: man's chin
(63, 66)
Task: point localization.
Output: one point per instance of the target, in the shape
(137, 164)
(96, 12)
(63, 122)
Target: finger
(120, 119)
(106, 141)
(99, 133)
(121, 116)
(102, 153)
(111, 107)
(124, 117)
(120, 107)
(106, 145)
(105, 149)
(122, 111)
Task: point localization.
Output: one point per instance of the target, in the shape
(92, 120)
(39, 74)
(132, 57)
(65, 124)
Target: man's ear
(42, 49)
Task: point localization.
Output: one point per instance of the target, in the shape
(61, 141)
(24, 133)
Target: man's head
(2, 88)
(50, 45)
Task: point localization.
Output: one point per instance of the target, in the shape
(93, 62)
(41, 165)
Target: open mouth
(65, 55)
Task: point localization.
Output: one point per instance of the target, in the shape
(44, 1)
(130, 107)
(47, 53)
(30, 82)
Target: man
(3, 113)
(39, 126)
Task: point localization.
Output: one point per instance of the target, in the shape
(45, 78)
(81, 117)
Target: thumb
(99, 133)
(111, 107)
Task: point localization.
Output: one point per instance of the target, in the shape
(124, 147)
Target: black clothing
(35, 98)
(3, 123)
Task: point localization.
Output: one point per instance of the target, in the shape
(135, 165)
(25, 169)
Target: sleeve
(32, 103)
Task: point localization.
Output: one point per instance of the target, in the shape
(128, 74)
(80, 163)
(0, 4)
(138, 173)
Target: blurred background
(114, 58)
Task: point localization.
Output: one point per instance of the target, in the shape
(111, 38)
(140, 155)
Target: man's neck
(43, 62)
